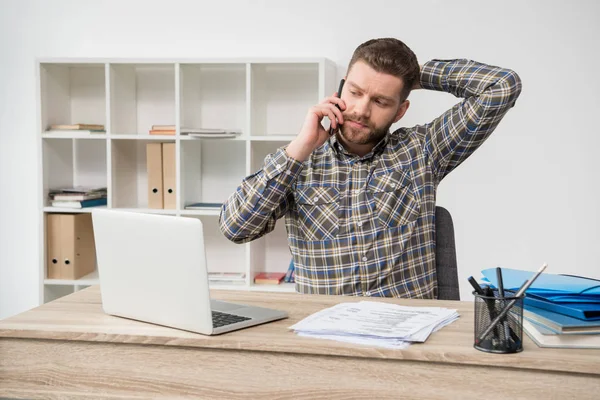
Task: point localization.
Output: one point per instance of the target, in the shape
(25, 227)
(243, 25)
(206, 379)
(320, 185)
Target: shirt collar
(341, 151)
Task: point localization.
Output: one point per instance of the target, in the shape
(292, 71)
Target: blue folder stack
(556, 305)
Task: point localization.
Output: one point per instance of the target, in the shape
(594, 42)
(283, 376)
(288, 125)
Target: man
(360, 204)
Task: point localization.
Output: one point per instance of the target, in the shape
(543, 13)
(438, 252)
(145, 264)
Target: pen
(339, 94)
(501, 294)
(484, 293)
(476, 286)
(490, 302)
(511, 303)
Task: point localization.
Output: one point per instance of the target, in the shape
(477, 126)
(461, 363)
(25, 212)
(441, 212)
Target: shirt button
(288, 172)
(365, 258)
(316, 198)
(278, 166)
(359, 223)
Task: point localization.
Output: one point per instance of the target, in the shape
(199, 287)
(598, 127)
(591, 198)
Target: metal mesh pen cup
(506, 336)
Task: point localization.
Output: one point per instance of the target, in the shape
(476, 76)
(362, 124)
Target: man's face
(372, 104)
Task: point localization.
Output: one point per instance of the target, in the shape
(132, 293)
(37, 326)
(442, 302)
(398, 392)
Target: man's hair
(390, 56)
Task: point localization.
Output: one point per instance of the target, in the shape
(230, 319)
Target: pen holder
(507, 335)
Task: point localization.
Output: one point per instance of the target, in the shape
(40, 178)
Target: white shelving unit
(265, 99)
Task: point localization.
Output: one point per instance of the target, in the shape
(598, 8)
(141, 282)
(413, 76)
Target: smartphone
(339, 94)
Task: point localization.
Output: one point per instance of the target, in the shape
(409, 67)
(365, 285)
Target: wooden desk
(70, 348)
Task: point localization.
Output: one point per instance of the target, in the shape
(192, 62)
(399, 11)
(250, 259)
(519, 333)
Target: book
(80, 204)
(560, 341)
(74, 127)
(81, 131)
(203, 206)
(289, 275)
(79, 189)
(158, 132)
(163, 128)
(273, 278)
(562, 324)
(231, 277)
(76, 196)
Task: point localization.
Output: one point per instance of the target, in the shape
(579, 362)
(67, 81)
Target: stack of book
(81, 128)
(78, 197)
(558, 310)
(227, 277)
(162, 130)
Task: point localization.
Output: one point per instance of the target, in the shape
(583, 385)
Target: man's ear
(402, 110)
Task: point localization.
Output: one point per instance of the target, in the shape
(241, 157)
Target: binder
(169, 181)
(71, 251)
(155, 175)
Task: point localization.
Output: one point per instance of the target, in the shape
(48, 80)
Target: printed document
(375, 323)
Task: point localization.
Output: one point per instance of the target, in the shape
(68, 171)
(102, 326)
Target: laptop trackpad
(224, 306)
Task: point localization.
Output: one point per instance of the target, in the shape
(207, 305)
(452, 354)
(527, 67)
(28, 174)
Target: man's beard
(367, 135)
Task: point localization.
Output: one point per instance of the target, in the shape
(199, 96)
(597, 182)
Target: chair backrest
(445, 256)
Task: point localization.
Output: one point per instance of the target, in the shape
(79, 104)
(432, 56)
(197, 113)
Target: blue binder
(575, 296)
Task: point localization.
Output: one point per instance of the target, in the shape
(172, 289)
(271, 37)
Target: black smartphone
(339, 94)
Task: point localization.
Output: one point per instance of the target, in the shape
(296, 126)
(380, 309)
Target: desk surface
(79, 317)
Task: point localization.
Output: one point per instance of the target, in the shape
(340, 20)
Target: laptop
(152, 268)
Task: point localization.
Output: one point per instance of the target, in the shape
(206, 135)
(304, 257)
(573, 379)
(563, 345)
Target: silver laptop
(152, 268)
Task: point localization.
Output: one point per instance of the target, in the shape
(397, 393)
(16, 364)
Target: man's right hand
(313, 134)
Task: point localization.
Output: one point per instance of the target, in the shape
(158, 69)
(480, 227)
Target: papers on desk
(375, 323)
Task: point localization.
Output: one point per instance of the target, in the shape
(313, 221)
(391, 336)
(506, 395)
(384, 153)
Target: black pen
(339, 94)
(476, 286)
(501, 295)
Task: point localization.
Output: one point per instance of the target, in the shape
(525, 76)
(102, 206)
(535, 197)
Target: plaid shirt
(365, 225)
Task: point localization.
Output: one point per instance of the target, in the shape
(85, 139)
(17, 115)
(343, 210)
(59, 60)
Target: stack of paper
(209, 132)
(375, 323)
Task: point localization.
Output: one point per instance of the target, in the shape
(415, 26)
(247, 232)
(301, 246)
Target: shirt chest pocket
(392, 199)
(318, 211)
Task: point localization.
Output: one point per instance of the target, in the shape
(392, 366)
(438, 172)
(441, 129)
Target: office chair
(445, 256)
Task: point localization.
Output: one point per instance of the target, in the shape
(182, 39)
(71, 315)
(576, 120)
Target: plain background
(529, 195)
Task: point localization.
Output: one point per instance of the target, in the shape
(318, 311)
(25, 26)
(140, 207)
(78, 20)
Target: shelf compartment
(129, 175)
(213, 96)
(211, 170)
(281, 97)
(87, 280)
(72, 94)
(73, 162)
(142, 95)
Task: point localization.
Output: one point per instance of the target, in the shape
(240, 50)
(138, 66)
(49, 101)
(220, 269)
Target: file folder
(169, 180)
(155, 175)
(575, 296)
(551, 284)
(71, 251)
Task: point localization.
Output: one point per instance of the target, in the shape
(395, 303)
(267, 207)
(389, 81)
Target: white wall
(529, 195)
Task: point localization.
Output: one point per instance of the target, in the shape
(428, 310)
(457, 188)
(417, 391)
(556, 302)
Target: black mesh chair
(445, 256)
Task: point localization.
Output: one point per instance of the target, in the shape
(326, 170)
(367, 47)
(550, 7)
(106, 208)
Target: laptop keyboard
(222, 319)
